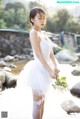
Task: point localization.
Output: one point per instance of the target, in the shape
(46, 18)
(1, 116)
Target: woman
(39, 72)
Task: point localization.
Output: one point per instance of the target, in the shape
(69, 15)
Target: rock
(75, 90)
(0, 86)
(7, 69)
(0, 54)
(10, 83)
(2, 63)
(2, 76)
(7, 80)
(10, 80)
(2, 79)
(70, 107)
(12, 42)
(78, 55)
(26, 50)
(29, 57)
(8, 58)
(73, 64)
(56, 48)
(76, 72)
(65, 56)
(31, 54)
(13, 52)
(20, 57)
(11, 66)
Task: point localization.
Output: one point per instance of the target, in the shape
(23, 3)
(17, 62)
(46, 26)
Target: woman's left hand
(56, 71)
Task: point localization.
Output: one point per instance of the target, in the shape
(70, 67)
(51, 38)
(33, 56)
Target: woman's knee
(38, 99)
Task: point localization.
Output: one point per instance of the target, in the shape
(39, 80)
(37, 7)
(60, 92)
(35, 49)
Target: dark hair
(34, 11)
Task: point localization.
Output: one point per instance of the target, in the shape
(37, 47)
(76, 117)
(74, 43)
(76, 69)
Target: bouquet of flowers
(60, 83)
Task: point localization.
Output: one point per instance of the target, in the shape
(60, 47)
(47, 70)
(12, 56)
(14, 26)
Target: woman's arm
(54, 62)
(53, 58)
(35, 42)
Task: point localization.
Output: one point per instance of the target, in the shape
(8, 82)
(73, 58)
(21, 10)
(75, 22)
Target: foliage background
(15, 16)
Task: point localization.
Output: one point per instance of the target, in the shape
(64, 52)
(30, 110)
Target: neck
(37, 29)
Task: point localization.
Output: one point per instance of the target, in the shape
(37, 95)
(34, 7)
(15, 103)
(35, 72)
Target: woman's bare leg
(37, 107)
(36, 111)
(42, 109)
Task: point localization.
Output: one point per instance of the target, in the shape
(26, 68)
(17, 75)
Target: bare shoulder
(33, 33)
(34, 36)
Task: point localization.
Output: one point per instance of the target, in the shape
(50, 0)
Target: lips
(42, 24)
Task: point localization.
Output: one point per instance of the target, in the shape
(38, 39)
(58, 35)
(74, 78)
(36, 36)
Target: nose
(43, 21)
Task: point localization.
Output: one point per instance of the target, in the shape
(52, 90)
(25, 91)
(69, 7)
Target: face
(39, 21)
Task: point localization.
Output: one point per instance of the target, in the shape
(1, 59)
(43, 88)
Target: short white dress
(34, 74)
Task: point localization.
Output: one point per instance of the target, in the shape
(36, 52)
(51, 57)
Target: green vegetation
(60, 83)
(62, 20)
(15, 16)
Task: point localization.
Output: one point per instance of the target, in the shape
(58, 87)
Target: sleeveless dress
(34, 74)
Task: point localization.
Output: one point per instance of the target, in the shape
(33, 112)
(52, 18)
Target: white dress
(34, 74)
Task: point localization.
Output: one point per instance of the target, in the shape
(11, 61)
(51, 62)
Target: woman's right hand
(52, 74)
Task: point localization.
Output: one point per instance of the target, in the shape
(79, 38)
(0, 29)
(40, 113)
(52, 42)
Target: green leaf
(60, 82)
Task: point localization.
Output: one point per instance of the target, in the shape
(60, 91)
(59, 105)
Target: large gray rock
(70, 107)
(2, 63)
(8, 58)
(20, 57)
(2, 79)
(75, 90)
(10, 80)
(65, 56)
(56, 48)
(76, 72)
(2, 76)
(7, 80)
